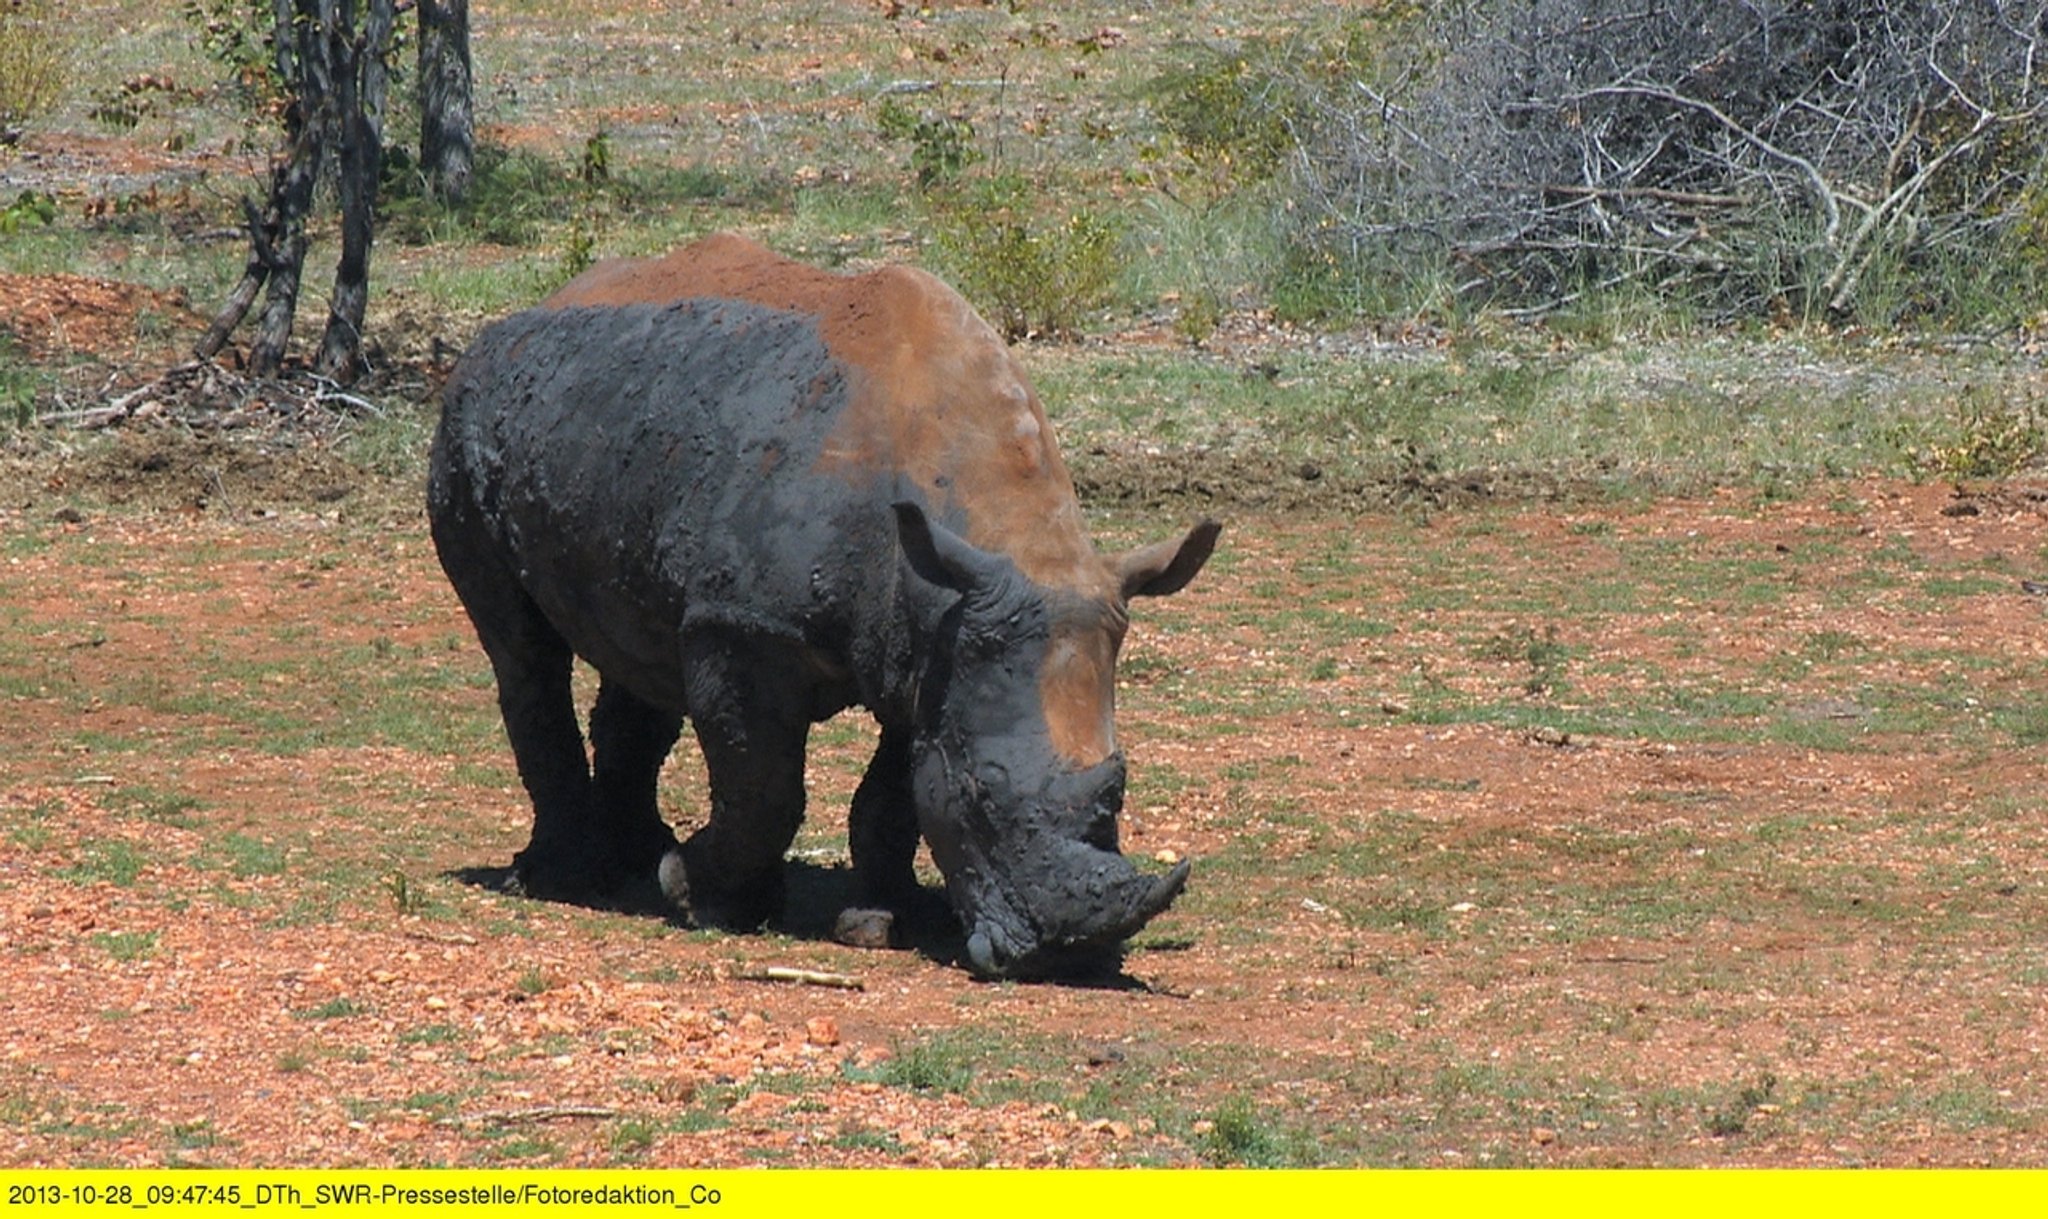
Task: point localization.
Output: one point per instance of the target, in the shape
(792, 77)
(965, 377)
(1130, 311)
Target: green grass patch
(341, 1007)
(244, 856)
(126, 946)
(110, 861)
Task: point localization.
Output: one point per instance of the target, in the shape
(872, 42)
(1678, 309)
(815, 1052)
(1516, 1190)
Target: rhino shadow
(816, 893)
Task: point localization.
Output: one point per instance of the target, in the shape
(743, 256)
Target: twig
(804, 977)
(545, 1113)
(1661, 194)
(435, 937)
(330, 391)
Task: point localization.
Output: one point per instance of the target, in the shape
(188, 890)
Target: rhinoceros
(751, 494)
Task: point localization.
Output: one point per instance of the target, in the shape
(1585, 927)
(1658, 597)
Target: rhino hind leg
(532, 663)
(747, 713)
(629, 740)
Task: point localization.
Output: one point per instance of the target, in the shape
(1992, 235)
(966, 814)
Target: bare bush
(1753, 155)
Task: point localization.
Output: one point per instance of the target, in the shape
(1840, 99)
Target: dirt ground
(217, 960)
(369, 1033)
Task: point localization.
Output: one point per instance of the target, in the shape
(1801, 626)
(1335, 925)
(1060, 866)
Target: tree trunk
(262, 231)
(358, 71)
(309, 123)
(333, 56)
(447, 121)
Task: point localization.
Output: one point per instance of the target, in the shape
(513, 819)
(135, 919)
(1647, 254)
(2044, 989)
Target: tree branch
(1824, 194)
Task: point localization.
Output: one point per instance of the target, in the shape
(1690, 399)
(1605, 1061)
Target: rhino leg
(564, 859)
(532, 664)
(881, 828)
(629, 740)
(748, 714)
(882, 835)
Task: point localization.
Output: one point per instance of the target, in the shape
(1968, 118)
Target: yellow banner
(927, 1194)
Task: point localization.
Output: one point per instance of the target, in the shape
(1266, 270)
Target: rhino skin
(752, 494)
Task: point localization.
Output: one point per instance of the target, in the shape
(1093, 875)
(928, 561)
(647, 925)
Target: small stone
(1544, 1136)
(821, 1030)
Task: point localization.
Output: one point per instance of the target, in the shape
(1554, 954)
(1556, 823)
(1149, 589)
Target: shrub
(33, 59)
(1986, 437)
(1239, 1136)
(1032, 265)
(1229, 109)
(22, 385)
(941, 146)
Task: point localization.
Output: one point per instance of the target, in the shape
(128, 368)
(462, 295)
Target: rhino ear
(1166, 567)
(939, 555)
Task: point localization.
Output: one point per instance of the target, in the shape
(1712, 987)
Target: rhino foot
(615, 880)
(555, 876)
(743, 907)
(859, 927)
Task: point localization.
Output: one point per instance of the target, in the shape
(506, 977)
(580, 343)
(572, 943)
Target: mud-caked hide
(752, 494)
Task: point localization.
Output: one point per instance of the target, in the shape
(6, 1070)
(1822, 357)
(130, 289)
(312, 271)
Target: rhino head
(1016, 775)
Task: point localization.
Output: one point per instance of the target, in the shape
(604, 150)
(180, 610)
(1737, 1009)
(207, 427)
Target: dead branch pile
(1766, 154)
(204, 397)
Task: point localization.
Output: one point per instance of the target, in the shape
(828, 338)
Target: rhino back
(934, 398)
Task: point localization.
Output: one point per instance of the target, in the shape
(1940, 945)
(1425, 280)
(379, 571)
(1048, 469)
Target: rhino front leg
(881, 828)
(882, 835)
(630, 739)
(747, 711)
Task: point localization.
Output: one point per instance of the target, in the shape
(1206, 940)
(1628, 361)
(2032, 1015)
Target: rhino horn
(1150, 896)
(1132, 901)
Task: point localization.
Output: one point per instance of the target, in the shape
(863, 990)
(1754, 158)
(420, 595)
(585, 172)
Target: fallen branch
(436, 937)
(803, 977)
(1688, 198)
(539, 1113)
